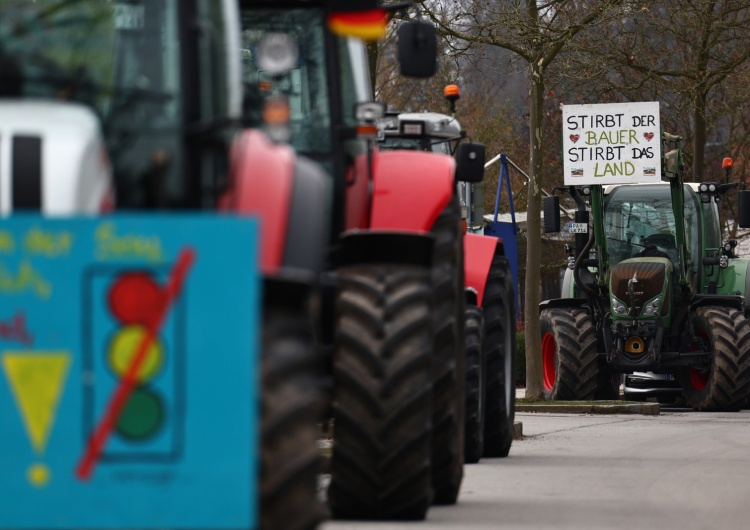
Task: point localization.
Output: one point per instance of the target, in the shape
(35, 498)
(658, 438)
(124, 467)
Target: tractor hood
(52, 159)
(639, 288)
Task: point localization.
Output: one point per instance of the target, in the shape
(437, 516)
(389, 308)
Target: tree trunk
(534, 376)
(372, 59)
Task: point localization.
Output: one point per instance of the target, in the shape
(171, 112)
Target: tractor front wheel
(448, 355)
(474, 422)
(500, 351)
(569, 357)
(290, 405)
(725, 384)
(382, 403)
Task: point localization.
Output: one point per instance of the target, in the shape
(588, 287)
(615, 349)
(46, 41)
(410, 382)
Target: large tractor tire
(500, 352)
(569, 357)
(448, 363)
(474, 423)
(290, 405)
(382, 405)
(726, 384)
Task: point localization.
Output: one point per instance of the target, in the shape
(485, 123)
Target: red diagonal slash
(127, 384)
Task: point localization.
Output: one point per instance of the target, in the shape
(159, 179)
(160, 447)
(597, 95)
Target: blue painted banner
(128, 372)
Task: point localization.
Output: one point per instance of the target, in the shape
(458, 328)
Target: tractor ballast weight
(652, 288)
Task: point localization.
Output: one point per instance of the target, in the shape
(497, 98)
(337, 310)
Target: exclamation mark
(36, 380)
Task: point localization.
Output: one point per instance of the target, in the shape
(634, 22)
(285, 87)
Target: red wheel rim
(549, 352)
(698, 378)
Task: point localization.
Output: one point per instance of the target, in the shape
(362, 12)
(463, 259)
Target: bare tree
(678, 51)
(536, 32)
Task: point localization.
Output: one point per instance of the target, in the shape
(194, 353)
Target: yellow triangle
(37, 380)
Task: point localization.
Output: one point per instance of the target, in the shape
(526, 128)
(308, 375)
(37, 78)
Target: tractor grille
(651, 276)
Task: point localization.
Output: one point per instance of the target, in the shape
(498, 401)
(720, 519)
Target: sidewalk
(586, 407)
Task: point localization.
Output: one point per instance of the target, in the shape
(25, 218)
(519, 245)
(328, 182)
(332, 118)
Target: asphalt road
(681, 470)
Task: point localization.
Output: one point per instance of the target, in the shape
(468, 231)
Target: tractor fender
(410, 189)
(741, 268)
(289, 194)
(735, 279)
(360, 247)
(478, 253)
(564, 303)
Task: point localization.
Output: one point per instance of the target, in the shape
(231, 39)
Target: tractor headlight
(618, 307)
(652, 307)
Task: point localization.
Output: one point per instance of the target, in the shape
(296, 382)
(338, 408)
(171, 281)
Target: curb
(646, 409)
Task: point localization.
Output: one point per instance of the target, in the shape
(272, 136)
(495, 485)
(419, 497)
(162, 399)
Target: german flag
(367, 24)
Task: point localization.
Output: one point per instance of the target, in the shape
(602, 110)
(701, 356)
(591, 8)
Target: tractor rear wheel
(500, 352)
(382, 402)
(474, 424)
(569, 357)
(290, 406)
(448, 364)
(725, 385)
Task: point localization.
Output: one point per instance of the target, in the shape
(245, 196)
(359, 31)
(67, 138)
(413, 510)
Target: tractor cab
(420, 131)
(101, 96)
(318, 86)
(316, 75)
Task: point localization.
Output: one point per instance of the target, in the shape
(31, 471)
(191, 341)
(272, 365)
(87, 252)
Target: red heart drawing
(648, 136)
(574, 137)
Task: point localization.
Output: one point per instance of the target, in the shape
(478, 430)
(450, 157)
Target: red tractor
(490, 307)
(392, 314)
(138, 104)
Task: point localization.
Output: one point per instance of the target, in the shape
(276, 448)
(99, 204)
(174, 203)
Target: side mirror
(470, 162)
(744, 214)
(670, 164)
(551, 214)
(417, 49)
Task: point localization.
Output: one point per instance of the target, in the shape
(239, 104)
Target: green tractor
(651, 289)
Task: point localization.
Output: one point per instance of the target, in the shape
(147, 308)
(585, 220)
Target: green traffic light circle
(142, 416)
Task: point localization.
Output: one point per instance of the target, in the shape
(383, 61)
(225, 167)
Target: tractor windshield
(639, 221)
(120, 58)
(416, 144)
(305, 84)
(116, 57)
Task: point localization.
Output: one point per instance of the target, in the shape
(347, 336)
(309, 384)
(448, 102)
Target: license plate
(578, 228)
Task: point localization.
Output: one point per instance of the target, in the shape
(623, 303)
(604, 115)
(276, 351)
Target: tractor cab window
(639, 221)
(713, 225)
(305, 83)
(121, 59)
(58, 50)
(390, 143)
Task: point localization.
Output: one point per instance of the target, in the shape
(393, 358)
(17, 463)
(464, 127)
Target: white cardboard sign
(611, 143)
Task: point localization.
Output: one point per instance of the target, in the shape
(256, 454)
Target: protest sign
(611, 143)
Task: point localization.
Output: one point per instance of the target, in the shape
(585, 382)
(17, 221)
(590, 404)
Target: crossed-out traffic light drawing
(133, 413)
